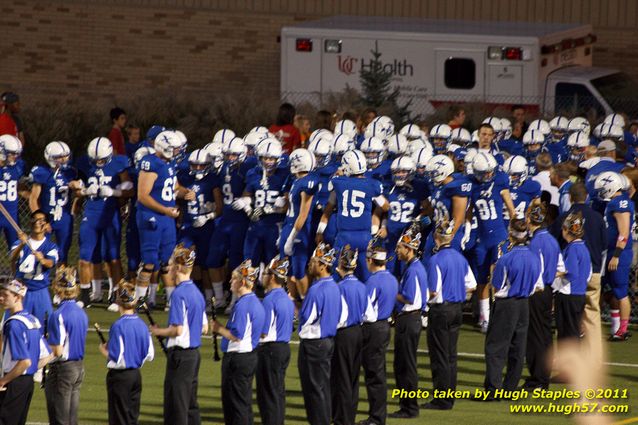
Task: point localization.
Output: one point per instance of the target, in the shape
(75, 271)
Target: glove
(239, 204)
(200, 220)
(290, 243)
(256, 214)
(106, 191)
(91, 190)
(280, 202)
(125, 185)
(268, 209)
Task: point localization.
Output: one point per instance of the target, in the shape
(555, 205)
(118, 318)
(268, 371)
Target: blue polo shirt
(413, 287)
(321, 310)
(382, 288)
(246, 323)
(578, 269)
(279, 313)
(22, 340)
(353, 301)
(517, 273)
(188, 310)
(450, 276)
(130, 343)
(67, 326)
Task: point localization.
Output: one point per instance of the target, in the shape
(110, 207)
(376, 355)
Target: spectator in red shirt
(456, 116)
(285, 130)
(116, 135)
(9, 105)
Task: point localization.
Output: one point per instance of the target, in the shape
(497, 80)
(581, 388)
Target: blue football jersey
(488, 207)
(9, 178)
(323, 175)
(441, 197)
(382, 172)
(108, 175)
(522, 197)
(204, 201)
(405, 205)
(55, 187)
(308, 185)
(558, 150)
(163, 190)
(619, 204)
(233, 184)
(29, 270)
(265, 193)
(354, 197)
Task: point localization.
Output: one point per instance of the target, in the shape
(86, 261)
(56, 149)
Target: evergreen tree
(377, 91)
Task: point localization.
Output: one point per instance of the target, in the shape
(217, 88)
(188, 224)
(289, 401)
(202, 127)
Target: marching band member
(274, 345)
(186, 324)
(67, 328)
(239, 344)
(128, 347)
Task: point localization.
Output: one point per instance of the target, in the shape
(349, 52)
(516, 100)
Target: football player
(353, 195)
(50, 193)
(104, 180)
(12, 169)
(295, 238)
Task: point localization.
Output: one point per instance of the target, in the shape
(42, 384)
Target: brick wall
(109, 49)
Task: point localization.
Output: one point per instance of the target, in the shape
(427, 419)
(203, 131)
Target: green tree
(377, 91)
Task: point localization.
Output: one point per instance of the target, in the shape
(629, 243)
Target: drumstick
(13, 224)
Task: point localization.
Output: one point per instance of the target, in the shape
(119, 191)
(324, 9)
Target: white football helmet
(506, 129)
(475, 137)
(579, 124)
(141, 153)
(168, 144)
(10, 145)
(183, 145)
(533, 137)
(234, 152)
(252, 139)
(301, 161)
(461, 137)
(467, 161)
(57, 154)
(439, 168)
(418, 144)
(346, 127)
(496, 124)
(577, 142)
(558, 125)
(199, 162)
(421, 158)
(259, 129)
(224, 136)
(269, 153)
(321, 148)
(381, 127)
(320, 133)
(440, 137)
(596, 131)
(612, 132)
(402, 169)
(615, 119)
(607, 184)
(341, 144)
(354, 163)
(542, 126)
(215, 153)
(100, 151)
(484, 167)
(516, 167)
(397, 145)
(412, 132)
(374, 150)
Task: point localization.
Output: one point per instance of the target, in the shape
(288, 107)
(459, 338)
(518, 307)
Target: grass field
(93, 410)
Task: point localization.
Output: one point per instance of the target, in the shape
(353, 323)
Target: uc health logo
(347, 64)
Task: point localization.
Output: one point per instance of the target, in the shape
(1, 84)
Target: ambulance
(545, 66)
